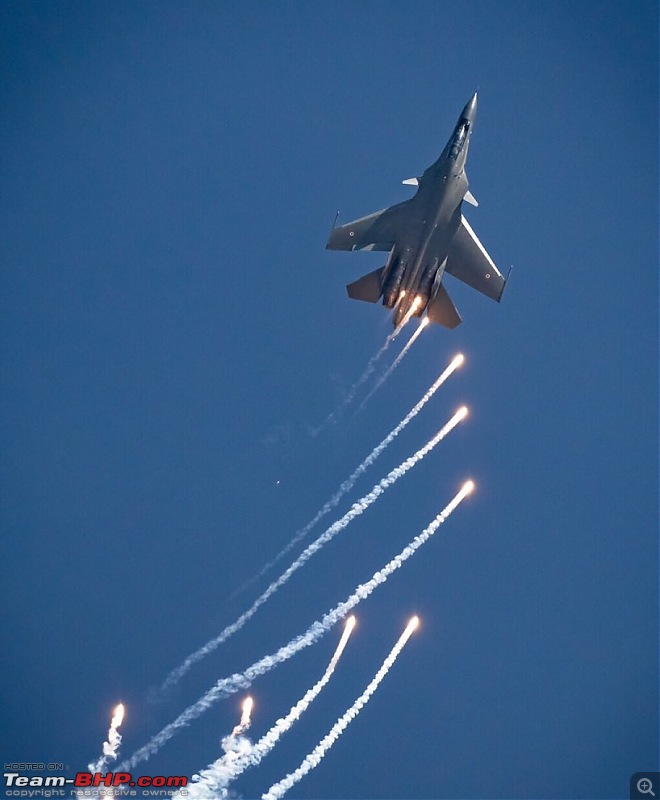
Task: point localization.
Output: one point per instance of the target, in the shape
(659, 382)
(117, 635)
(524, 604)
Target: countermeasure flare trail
(242, 680)
(371, 366)
(312, 760)
(223, 771)
(356, 509)
(394, 364)
(348, 484)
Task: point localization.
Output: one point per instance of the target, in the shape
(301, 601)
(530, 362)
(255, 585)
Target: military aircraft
(426, 236)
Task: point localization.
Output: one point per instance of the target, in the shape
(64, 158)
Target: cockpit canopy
(458, 139)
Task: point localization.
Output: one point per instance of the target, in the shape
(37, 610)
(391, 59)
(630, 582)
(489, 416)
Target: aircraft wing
(469, 262)
(378, 231)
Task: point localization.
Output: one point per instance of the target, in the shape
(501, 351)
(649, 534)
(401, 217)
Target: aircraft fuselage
(423, 246)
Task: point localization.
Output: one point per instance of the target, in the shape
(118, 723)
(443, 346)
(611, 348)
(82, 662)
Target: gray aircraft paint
(426, 236)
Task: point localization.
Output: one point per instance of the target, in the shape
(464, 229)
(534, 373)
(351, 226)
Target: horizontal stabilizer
(470, 198)
(410, 182)
(442, 311)
(368, 287)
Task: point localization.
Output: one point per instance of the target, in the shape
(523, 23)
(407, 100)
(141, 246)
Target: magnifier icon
(645, 786)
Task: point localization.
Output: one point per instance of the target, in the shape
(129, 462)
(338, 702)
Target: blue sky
(172, 329)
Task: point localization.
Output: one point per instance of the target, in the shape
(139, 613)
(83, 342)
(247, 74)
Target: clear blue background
(172, 329)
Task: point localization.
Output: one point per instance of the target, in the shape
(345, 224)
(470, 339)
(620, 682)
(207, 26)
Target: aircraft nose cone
(470, 110)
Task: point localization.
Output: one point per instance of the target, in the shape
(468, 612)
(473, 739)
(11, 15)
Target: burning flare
(111, 747)
(246, 720)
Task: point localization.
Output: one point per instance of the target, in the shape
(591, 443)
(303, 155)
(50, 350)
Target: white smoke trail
(242, 680)
(203, 786)
(111, 747)
(371, 366)
(348, 484)
(235, 746)
(218, 776)
(356, 509)
(394, 364)
(312, 760)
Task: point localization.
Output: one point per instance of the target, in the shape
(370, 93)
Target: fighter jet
(426, 236)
